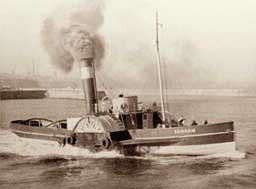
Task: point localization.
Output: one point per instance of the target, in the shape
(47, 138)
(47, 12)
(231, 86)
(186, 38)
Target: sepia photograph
(139, 94)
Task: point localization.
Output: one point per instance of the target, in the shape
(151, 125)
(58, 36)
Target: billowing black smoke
(78, 41)
(72, 26)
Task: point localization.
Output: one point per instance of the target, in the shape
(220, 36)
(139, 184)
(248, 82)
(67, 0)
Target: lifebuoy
(106, 143)
(124, 107)
(69, 140)
(64, 141)
(106, 103)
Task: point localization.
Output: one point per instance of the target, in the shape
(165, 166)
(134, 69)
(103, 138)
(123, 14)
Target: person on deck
(181, 121)
(154, 107)
(194, 123)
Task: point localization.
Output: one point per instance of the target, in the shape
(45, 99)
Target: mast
(159, 71)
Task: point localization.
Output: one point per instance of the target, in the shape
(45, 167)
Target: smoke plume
(68, 31)
(79, 42)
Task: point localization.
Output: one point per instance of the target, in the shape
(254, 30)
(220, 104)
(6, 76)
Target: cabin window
(120, 135)
(34, 123)
(63, 125)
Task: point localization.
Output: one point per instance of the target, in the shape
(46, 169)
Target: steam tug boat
(131, 131)
(120, 125)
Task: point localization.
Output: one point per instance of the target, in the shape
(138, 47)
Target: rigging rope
(107, 89)
(165, 84)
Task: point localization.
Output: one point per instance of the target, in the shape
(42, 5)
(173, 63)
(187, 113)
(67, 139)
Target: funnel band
(86, 72)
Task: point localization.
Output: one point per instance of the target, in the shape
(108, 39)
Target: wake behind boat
(120, 124)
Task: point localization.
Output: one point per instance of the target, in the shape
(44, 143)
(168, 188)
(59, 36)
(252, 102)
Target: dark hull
(39, 133)
(22, 94)
(190, 140)
(203, 139)
(190, 135)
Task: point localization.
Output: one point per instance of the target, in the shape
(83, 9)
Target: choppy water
(26, 164)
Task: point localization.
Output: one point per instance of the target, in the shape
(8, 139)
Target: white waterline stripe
(171, 137)
(40, 134)
(137, 138)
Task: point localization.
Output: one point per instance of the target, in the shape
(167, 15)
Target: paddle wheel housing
(97, 132)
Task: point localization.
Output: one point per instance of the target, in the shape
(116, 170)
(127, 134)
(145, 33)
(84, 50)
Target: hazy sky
(201, 41)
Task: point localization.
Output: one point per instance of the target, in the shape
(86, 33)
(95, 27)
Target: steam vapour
(79, 42)
(67, 34)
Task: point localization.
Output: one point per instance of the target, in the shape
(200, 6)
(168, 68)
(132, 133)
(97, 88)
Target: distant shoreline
(70, 93)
